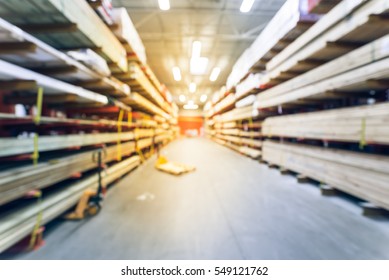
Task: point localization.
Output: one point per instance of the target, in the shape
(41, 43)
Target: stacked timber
(362, 175)
(60, 109)
(354, 71)
(248, 86)
(224, 104)
(139, 102)
(291, 21)
(350, 24)
(16, 225)
(248, 112)
(16, 146)
(128, 36)
(72, 24)
(368, 124)
(17, 182)
(241, 140)
(138, 81)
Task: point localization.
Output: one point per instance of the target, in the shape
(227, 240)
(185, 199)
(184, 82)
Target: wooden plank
(241, 140)
(362, 56)
(45, 59)
(10, 72)
(79, 122)
(363, 123)
(14, 146)
(362, 175)
(137, 101)
(287, 24)
(90, 30)
(19, 223)
(346, 19)
(354, 80)
(140, 83)
(16, 182)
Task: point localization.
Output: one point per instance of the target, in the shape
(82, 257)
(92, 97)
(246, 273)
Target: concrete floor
(232, 207)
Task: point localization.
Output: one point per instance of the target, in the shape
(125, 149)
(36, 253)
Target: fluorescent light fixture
(192, 87)
(176, 73)
(196, 49)
(164, 5)
(198, 65)
(182, 98)
(191, 105)
(215, 74)
(203, 98)
(246, 6)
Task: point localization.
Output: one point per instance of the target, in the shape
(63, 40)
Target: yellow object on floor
(173, 168)
(83, 207)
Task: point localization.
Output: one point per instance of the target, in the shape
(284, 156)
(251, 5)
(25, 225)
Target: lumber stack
(58, 108)
(248, 86)
(291, 20)
(347, 26)
(18, 224)
(72, 24)
(17, 182)
(328, 85)
(16, 146)
(139, 102)
(362, 175)
(363, 123)
(128, 36)
(138, 81)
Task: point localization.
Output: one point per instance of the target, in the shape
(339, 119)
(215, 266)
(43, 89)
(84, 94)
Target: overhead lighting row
(198, 64)
(245, 7)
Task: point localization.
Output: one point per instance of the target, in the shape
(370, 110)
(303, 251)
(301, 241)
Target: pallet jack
(91, 200)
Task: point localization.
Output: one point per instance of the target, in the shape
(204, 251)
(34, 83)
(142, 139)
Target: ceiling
(223, 30)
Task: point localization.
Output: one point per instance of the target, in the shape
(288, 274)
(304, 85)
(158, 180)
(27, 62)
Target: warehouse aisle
(230, 208)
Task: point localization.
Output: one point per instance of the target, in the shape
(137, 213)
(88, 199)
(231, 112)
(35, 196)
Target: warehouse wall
(188, 121)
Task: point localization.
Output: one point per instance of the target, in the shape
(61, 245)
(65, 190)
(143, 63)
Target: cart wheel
(93, 210)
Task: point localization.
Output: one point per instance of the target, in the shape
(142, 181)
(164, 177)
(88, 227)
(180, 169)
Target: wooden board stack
(329, 87)
(235, 125)
(359, 174)
(290, 21)
(57, 112)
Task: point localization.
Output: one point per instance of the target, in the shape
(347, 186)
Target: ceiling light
(203, 98)
(182, 98)
(196, 49)
(176, 73)
(215, 74)
(191, 105)
(164, 5)
(192, 87)
(246, 6)
(198, 65)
